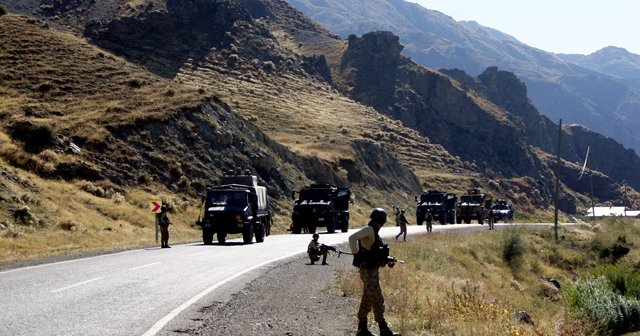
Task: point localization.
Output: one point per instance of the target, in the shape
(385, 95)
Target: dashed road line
(144, 266)
(76, 285)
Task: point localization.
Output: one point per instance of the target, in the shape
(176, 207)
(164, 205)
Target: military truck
(502, 211)
(237, 205)
(473, 205)
(442, 205)
(320, 205)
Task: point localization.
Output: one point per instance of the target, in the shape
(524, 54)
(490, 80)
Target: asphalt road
(139, 292)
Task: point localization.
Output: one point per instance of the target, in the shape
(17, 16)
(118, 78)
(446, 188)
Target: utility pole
(593, 205)
(555, 196)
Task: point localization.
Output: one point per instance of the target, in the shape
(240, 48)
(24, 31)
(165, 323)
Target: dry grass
(459, 284)
(78, 89)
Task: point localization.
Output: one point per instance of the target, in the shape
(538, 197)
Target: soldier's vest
(377, 256)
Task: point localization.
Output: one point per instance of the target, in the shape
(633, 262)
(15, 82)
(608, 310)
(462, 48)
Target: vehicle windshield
(500, 206)
(231, 198)
(315, 194)
(432, 198)
(471, 199)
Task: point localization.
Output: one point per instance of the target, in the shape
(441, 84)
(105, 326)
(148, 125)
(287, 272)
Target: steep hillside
(137, 115)
(112, 134)
(559, 89)
(461, 116)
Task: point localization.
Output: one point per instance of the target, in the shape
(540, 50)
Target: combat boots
(363, 330)
(385, 330)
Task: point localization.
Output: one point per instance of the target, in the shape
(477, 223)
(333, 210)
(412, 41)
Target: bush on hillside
(3, 11)
(513, 248)
(614, 251)
(623, 279)
(608, 312)
(36, 137)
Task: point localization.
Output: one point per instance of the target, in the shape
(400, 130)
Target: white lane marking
(160, 324)
(143, 266)
(66, 261)
(76, 285)
(200, 253)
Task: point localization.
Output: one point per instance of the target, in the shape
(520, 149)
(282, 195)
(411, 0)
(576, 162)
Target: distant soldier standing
(402, 220)
(396, 212)
(429, 219)
(163, 221)
(368, 256)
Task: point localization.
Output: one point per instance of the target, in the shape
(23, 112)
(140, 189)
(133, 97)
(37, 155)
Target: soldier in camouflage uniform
(163, 222)
(364, 245)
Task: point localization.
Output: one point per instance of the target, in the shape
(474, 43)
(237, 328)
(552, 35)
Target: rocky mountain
(164, 96)
(558, 88)
(614, 61)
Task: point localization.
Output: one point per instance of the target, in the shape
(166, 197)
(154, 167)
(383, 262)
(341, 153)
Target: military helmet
(378, 215)
(315, 235)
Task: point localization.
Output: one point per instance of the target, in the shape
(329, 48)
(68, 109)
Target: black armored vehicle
(441, 204)
(502, 211)
(321, 205)
(237, 205)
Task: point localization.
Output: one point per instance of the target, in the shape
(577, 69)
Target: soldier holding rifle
(369, 254)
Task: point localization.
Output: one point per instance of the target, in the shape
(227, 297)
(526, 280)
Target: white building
(612, 211)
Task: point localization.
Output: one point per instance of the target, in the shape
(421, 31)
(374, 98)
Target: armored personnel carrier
(441, 204)
(321, 205)
(473, 205)
(502, 211)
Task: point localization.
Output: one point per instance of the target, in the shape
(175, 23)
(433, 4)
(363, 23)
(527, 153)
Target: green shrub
(622, 278)
(3, 11)
(594, 301)
(513, 247)
(36, 137)
(614, 251)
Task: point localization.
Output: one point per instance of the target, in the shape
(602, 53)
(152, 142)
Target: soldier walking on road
(163, 221)
(369, 255)
(429, 219)
(402, 220)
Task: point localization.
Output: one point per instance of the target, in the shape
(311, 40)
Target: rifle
(391, 261)
(324, 247)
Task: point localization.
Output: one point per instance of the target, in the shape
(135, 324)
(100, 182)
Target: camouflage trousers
(371, 295)
(164, 234)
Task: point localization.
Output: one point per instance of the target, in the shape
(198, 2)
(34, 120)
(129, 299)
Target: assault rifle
(324, 247)
(391, 261)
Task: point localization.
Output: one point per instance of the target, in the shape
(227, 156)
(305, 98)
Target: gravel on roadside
(293, 298)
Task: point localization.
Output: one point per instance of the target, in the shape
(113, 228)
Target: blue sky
(560, 26)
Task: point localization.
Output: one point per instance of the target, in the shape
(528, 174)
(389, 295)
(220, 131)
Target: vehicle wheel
(345, 226)
(247, 235)
(207, 236)
(222, 237)
(331, 226)
(452, 219)
(296, 229)
(458, 220)
(260, 233)
(467, 220)
(443, 220)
